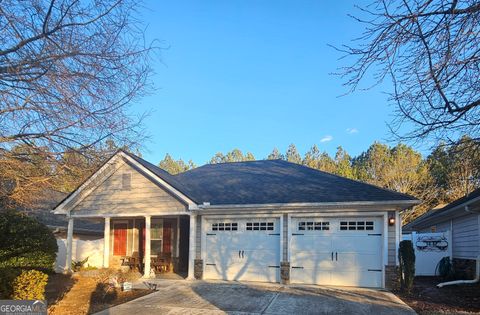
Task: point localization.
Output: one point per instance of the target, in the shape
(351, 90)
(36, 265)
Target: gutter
(402, 204)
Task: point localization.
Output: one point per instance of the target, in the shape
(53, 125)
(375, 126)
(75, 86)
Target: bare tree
(69, 72)
(431, 52)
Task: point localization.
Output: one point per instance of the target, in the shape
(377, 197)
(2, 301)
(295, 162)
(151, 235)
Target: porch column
(106, 243)
(147, 255)
(177, 239)
(68, 263)
(191, 246)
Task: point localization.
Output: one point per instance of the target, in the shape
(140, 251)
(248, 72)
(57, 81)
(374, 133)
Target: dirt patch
(426, 298)
(84, 295)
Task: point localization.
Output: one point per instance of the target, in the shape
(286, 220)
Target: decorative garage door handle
(239, 254)
(336, 256)
(332, 256)
(243, 253)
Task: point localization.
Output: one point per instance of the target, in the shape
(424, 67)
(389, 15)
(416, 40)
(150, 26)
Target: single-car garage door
(242, 249)
(336, 251)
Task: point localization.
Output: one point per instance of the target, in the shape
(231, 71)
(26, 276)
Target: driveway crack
(274, 297)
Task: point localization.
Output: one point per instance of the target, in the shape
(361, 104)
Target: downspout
(477, 277)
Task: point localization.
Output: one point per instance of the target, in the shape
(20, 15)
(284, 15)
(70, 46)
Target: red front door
(120, 239)
(167, 237)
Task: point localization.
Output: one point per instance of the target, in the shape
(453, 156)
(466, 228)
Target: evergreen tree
(292, 155)
(275, 155)
(175, 166)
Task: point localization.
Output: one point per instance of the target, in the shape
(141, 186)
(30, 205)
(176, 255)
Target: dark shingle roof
(275, 181)
(435, 213)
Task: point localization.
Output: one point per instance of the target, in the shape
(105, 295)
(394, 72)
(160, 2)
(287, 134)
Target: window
(356, 225)
(313, 226)
(260, 226)
(126, 181)
(156, 236)
(225, 226)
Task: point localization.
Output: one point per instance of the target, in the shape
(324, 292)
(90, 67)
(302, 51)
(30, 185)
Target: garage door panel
(356, 245)
(310, 276)
(307, 260)
(310, 242)
(363, 244)
(243, 254)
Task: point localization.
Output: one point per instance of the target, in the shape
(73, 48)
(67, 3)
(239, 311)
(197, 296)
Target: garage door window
(356, 225)
(313, 226)
(225, 226)
(260, 226)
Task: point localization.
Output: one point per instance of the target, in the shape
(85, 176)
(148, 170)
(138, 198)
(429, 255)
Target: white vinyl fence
(430, 248)
(93, 249)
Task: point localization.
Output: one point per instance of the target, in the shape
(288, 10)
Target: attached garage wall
(392, 242)
(198, 238)
(285, 237)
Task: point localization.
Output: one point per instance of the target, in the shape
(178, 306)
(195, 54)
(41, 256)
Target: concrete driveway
(219, 297)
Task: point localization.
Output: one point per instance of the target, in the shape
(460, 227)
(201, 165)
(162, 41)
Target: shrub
(406, 257)
(30, 285)
(25, 242)
(7, 276)
(445, 268)
(79, 265)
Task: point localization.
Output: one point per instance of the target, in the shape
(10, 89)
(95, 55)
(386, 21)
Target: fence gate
(430, 248)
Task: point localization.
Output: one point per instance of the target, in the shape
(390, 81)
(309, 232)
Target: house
(270, 221)
(87, 235)
(461, 219)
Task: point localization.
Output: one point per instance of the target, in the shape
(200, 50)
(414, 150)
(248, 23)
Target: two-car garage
(322, 250)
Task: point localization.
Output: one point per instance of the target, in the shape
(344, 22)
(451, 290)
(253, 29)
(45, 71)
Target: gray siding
(198, 238)
(144, 196)
(465, 236)
(284, 235)
(392, 245)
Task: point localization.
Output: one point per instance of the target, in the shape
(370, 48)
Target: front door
(120, 239)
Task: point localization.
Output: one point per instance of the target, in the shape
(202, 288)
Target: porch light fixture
(391, 221)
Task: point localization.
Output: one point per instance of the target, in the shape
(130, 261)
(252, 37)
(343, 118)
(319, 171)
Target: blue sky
(255, 75)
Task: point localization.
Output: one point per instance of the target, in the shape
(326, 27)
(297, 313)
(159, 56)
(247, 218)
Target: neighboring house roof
(437, 215)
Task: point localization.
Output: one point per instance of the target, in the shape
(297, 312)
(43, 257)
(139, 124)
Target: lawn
(79, 294)
(426, 298)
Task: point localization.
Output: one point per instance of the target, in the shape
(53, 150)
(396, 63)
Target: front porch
(128, 241)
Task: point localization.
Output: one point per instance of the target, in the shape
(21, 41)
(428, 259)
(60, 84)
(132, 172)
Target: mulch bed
(80, 295)
(426, 298)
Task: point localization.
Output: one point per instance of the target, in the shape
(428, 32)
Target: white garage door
(242, 249)
(337, 251)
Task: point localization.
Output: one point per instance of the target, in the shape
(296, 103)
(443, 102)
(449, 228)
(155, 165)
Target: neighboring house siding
(392, 245)
(141, 196)
(465, 236)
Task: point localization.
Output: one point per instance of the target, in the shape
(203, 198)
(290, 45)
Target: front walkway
(220, 297)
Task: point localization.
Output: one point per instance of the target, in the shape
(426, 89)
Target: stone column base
(285, 272)
(392, 278)
(198, 268)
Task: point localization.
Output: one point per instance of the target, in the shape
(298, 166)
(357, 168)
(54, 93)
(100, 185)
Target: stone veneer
(198, 268)
(285, 272)
(392, 278)
(464, 268)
